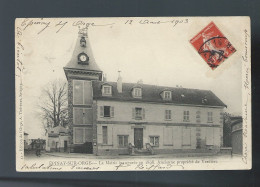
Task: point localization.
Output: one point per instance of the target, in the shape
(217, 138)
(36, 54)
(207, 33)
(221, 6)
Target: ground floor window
(186, 136)
(104, 133)
(154, 141)
(209, 136)
(122, 140)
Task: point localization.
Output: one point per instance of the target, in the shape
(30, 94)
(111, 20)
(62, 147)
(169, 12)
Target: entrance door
(138, 137)
(56, 146)
(65, 145)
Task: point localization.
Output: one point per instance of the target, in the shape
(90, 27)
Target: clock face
(83, 57)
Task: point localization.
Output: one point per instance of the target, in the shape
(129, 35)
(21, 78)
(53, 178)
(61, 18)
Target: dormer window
(106, 90)
(167, 95)
(137, 92)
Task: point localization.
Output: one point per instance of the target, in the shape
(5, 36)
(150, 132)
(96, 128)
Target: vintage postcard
(133, 94)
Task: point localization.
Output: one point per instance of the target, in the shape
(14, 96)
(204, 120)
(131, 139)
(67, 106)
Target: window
(198, 116)
(123, 140)
(106, 91)
(186, 136)
(210, 117)
(221, 118)
(209, 136)
(186, 116)
(138, 113)
(168, 114)
(82, 116)
(106, 111)
(137, 92)
(82, 135)
(82, 92)
(167, 95)
(154, 141)
(104, 133)
(167, 136)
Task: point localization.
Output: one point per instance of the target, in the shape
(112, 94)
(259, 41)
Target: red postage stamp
(212, 45)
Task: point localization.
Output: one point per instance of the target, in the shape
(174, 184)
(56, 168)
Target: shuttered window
(82, 116)
(78, 135)
(78, 92)
(88, 95)
(210, 136)
(104, 134)
(88, 134)
(167, 136)
(78, 116)
(106, 111)
(186, 136)
(82, 92)
(83, 134)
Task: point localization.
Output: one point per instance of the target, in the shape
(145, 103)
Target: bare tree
(53, 104)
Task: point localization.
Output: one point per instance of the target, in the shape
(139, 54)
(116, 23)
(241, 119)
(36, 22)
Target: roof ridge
(156, 85)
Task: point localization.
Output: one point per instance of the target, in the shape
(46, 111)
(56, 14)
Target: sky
(158, 54)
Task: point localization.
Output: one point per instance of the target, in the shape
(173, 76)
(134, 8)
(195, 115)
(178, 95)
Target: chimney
(140, 81)
(104, 77)
(119, 83)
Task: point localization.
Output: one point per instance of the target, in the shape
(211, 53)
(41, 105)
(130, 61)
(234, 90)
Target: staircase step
(142, 152)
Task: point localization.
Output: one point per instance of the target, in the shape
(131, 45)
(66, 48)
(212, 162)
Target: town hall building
(107, 118)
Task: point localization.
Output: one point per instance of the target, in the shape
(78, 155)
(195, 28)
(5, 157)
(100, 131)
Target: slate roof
(152, 93)
(73, 63)
(57, 130)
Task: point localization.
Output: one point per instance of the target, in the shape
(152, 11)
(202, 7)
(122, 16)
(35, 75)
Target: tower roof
(80, 49)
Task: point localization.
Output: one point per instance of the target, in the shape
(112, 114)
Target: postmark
(212, 45)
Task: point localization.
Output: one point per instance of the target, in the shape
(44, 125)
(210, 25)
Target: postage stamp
(131, 94)
(212, 45)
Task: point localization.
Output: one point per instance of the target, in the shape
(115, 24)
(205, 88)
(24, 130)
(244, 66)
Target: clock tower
(80, 71)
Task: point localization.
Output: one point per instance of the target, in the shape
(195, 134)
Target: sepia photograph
(133, 94)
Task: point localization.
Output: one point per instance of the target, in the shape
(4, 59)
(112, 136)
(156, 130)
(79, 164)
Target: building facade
(109, 117)
(58, 139)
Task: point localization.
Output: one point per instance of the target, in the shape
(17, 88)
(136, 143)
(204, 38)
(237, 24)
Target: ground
(71, 156)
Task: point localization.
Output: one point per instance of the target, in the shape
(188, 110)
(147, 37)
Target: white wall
(155, 130)
(156, 112)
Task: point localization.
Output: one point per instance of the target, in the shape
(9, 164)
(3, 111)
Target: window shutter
(79, 135)
(143, 113)
(78, 92)
(186, 136)
(88, 97)
(209, 136)
(133, 113)
(168, 135)
(78, 116)
(101, 111)
(88, 116)
(165, 114)
(88, 134)
(112, 111)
